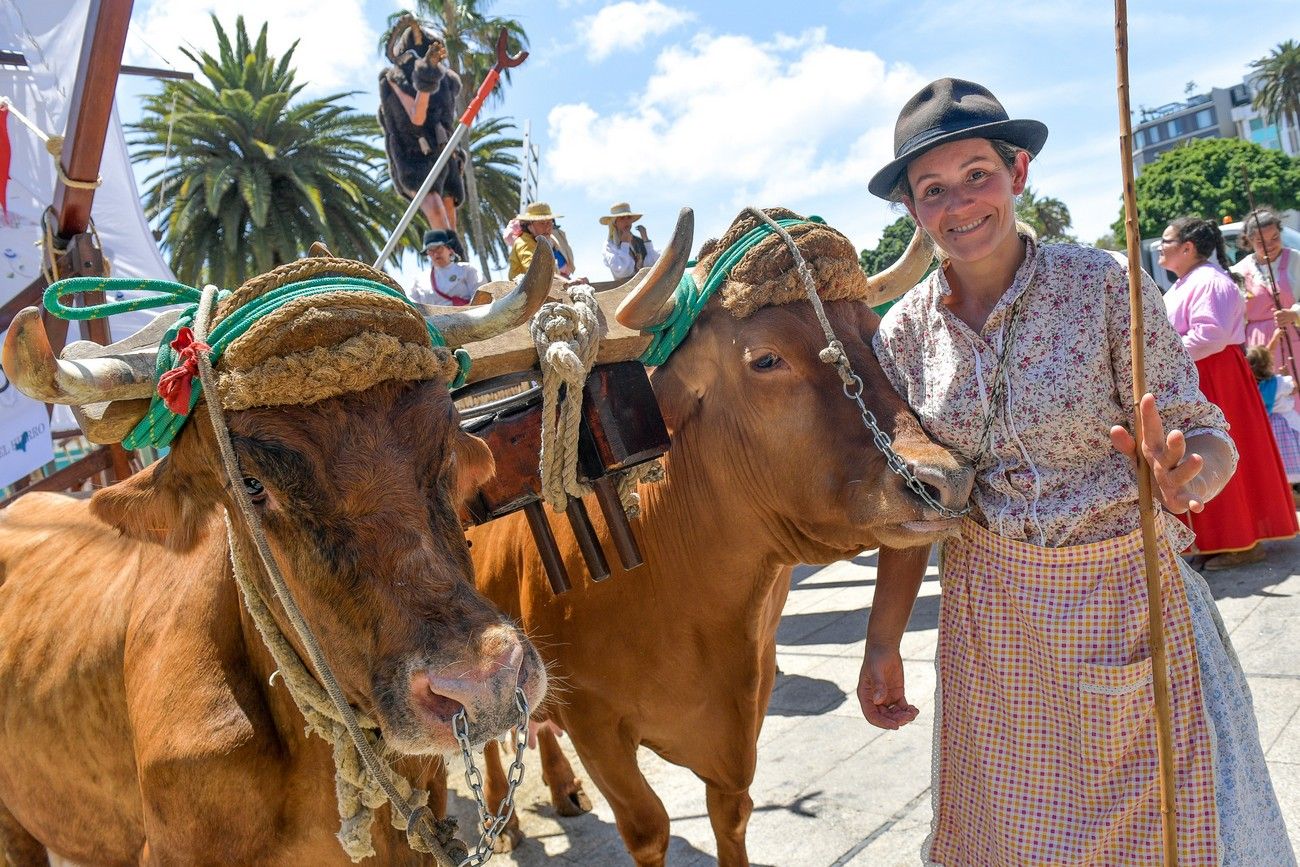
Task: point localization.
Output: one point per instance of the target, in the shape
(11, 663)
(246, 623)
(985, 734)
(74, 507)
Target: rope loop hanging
(567, 337)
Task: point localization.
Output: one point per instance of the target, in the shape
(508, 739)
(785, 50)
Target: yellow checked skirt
(1045, 725)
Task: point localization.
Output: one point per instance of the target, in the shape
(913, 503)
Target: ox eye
(254, 489)
(767, 361)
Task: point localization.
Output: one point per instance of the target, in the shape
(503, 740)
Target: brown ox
(770, 466)
(139, 720)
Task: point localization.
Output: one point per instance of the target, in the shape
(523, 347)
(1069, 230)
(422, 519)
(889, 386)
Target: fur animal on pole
(417, 111)
(504, 61)
(1159, 666)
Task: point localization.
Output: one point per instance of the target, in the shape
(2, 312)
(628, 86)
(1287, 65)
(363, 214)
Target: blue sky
(719, 105)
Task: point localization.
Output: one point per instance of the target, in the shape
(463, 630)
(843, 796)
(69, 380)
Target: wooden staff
(1146, 508)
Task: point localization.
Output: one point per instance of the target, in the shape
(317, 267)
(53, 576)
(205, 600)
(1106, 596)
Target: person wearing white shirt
(449, 282)
(626, 253)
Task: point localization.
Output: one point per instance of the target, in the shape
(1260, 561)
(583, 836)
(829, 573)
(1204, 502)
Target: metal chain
(493, 823)
(853, 387)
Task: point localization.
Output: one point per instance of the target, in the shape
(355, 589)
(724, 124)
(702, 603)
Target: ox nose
(484, 685)
(950, 486)
(477, 688)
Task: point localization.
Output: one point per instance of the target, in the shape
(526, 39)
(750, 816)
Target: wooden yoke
(621, 429)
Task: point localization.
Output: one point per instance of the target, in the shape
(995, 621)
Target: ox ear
(160, 504)
(474, 465)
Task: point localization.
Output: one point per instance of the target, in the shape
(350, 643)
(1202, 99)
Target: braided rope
(567, 337)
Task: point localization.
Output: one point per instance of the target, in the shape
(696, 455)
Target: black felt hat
(948, 110)
(439, 236)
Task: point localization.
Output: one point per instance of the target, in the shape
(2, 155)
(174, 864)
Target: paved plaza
(831, 789)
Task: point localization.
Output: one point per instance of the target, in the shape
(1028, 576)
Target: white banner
(49, 36)
(25, 443)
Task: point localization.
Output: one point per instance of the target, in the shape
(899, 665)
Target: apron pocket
(1116, 704)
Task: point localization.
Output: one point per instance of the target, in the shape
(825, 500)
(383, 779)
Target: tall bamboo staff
(1159, 666)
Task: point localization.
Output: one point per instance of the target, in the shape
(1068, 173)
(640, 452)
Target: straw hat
(948, 110)
(619, 209)
(536, 212)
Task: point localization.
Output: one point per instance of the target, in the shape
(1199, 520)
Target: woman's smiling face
(963, 195)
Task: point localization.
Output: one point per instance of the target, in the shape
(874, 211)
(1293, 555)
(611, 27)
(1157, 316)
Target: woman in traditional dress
(1209, 314)
(1015, 355)
(1271, 264)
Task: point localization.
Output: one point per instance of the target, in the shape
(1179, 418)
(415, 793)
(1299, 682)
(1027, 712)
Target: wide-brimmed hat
(537, 211)
(947, 110)
(619, 209)
(438, 236)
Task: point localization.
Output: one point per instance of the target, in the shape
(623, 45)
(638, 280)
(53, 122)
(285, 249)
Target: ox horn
(894, 281)
(460, 326)
(653, 298)
(30, 364)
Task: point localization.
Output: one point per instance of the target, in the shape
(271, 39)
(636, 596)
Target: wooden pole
(90, 110)
(1146, 507)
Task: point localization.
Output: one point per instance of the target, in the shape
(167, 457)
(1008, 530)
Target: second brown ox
(770, 466)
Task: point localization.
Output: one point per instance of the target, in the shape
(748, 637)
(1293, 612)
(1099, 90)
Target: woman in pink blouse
(1015, 355)
(1209, 314)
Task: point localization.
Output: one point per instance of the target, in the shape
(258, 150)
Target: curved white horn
(894, 281)
(460, 325)
(30, 364)
(653, 298)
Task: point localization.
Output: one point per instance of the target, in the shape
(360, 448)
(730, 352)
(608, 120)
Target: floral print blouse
(1051, 476)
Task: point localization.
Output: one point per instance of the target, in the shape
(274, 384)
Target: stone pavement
(832, 790)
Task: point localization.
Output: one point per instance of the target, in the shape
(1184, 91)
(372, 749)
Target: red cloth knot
(176, 385)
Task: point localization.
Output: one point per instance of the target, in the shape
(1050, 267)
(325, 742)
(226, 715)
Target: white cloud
(337, 46)
(628, 25)
(781, 120)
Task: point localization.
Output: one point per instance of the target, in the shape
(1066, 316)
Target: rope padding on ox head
(362, 780)
(691, 299)
(378, 335)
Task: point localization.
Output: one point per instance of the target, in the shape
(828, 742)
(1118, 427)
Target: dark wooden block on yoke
(621, 429)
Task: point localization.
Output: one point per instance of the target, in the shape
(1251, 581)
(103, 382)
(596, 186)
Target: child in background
(1277, 393)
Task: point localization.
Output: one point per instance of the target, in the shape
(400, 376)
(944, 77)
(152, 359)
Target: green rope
(160, 425)
(691, 299)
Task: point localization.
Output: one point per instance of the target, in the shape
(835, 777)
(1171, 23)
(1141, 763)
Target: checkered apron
(1045, 729)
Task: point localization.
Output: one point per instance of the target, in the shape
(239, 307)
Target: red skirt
(1256, 504)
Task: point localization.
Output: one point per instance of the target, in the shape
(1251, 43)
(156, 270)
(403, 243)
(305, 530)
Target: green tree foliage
(893, 242)
(251, 177)
(1203, 178)
(1049, 217)
(1279, 83)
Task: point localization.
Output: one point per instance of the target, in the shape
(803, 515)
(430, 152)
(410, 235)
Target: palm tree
(1278, 96)
(251, 178)
(1049, 217)
(494, 153)
(470, 33)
